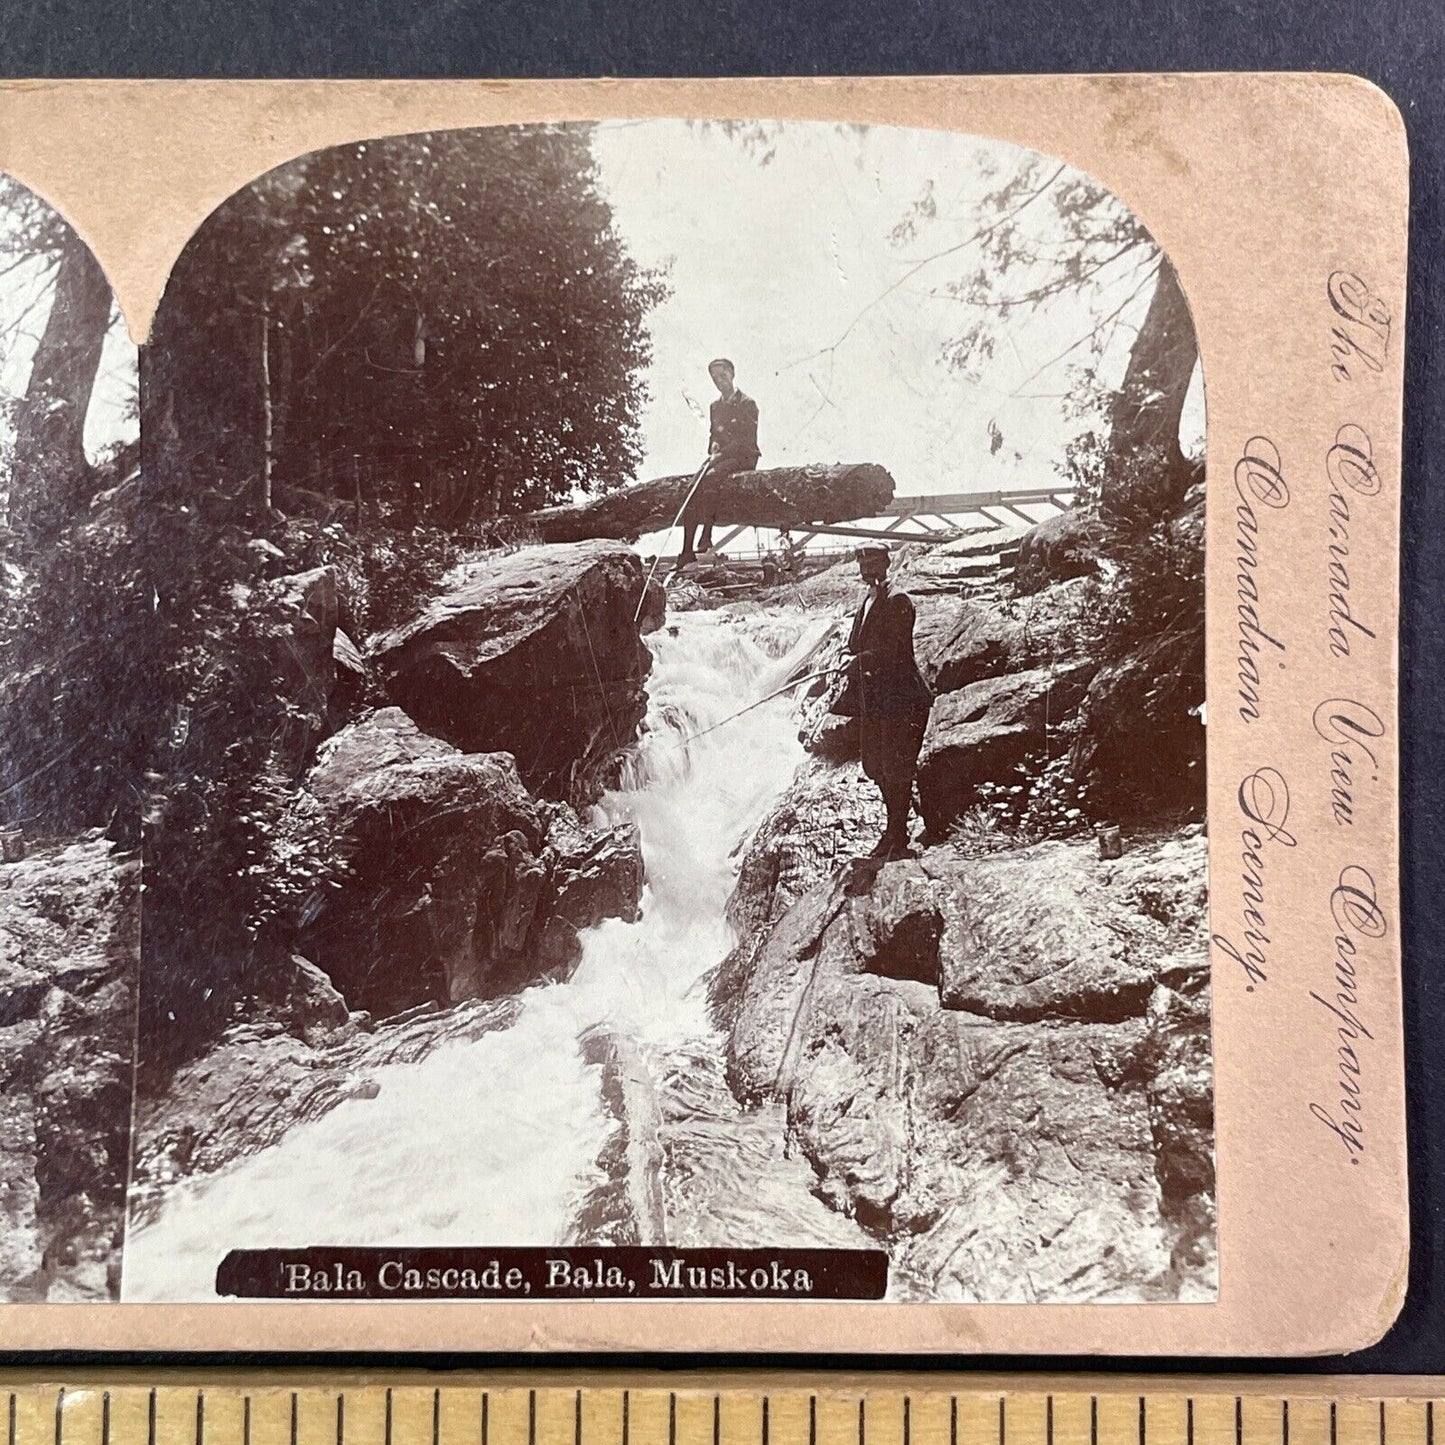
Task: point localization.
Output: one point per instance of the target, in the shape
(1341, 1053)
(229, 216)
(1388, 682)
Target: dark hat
(722, 361)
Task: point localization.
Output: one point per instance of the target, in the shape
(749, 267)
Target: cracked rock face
(983, 731)
(458, 883)
(1001, 1065)
(1038, 934)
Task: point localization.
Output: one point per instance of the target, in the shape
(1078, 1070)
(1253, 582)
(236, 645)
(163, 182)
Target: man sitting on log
(732, 447)
(887, 694)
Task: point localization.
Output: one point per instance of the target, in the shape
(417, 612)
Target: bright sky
(786, 267)
(24, 308)
(780, 267)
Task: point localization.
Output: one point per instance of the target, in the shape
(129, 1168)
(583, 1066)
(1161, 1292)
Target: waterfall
(495, 1141)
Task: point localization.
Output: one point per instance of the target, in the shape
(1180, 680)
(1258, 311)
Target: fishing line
(652, 572)
(767, 697)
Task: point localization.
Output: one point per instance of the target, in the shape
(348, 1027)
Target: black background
(1399, 44)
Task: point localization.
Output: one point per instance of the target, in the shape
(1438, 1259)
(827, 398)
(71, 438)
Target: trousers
(889, 748)
(702, 510)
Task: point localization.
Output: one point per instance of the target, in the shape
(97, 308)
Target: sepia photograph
(673, 717)
(73, 623)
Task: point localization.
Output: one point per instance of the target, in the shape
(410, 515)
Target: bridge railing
(929, 517)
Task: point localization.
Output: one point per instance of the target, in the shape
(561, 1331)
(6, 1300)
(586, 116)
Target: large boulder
(960, 640)
(1067, 545)
(964, 639)
(980, 733)
(1047, 932)
(301, 611)
(825, 817)
(537, 653)
(449, 887)
(828, 816)
(594, 874)
(1053, 1152)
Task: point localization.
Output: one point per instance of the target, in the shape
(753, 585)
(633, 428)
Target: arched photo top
(69, 417)
(467, 324)
(537, 676)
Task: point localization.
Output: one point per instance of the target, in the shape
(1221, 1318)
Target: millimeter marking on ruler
(815, 1411)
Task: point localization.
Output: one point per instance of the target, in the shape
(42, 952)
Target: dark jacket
(734, 432)
(883, 679)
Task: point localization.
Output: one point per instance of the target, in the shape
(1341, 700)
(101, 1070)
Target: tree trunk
(1144, 419)
(53, 480)
(263, 477)
(779, 497)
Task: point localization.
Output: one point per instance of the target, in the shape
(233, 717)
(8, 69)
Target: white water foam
(494, 1141)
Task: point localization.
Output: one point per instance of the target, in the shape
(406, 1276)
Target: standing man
(887, 694)
(732, 447)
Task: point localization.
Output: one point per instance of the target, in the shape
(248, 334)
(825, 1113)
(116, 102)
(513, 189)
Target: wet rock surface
(828, 816)
(1000, 1065)
(69, 942)
(654, 607)
(261, 1080)
(992, 1058)
(536, 653)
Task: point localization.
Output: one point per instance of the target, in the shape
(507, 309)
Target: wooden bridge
(932, 517)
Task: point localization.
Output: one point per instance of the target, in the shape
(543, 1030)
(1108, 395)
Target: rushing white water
(494, 1141)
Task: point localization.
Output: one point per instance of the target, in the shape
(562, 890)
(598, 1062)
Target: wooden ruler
(190, 1408)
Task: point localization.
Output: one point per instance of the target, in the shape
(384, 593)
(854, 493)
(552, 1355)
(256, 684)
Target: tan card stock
(702, 714)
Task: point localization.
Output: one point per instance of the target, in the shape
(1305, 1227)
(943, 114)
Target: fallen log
(779, 497)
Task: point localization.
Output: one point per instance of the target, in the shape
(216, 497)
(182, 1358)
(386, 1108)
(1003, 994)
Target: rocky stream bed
(651, 989)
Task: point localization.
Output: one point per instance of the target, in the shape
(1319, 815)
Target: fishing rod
(776, 692)
(652, 571)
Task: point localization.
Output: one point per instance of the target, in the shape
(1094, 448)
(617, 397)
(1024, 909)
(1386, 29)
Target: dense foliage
(74, 609)
(359, 360)
(440, 327)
